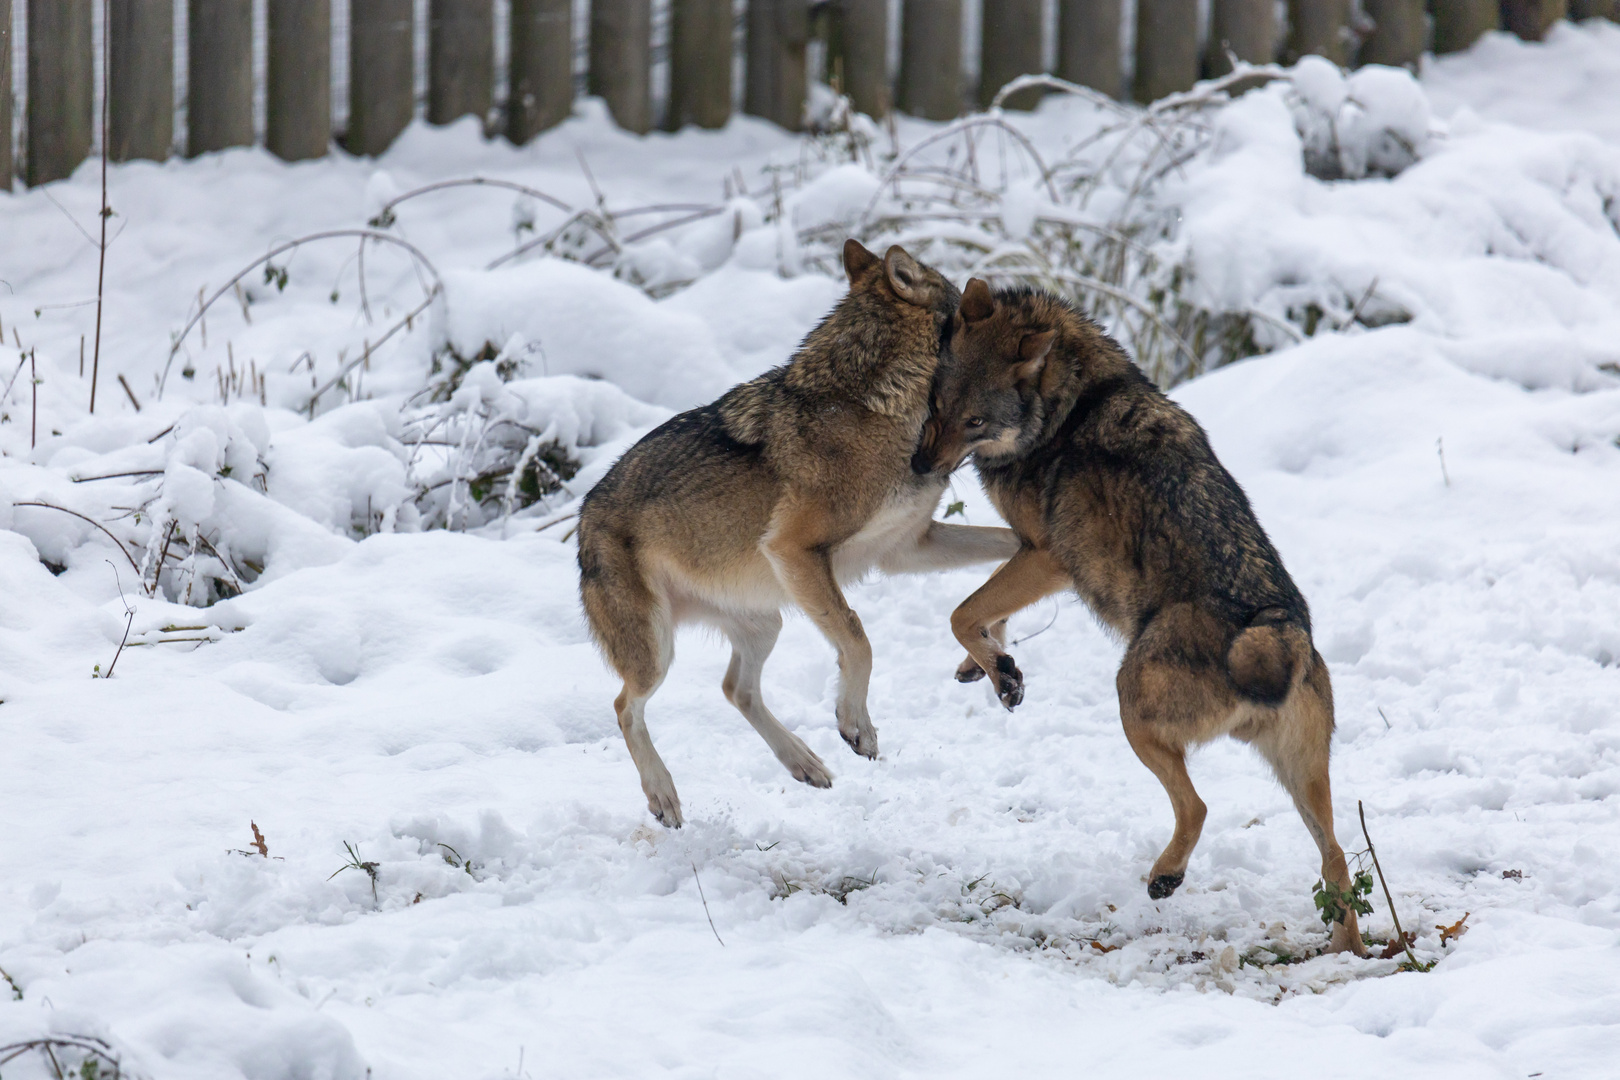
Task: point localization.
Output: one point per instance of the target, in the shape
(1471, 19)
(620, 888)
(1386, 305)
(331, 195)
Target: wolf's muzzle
(921, 463)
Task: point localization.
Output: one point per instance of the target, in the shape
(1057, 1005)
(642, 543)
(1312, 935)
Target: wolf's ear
(977, 303)
(1032, 353)
(907, 277)
(857, 260)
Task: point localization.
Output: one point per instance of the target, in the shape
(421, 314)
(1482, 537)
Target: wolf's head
(897, 278)
(987, 395)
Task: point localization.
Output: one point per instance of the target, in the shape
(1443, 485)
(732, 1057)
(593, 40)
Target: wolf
(786, 488)
(1115, 492)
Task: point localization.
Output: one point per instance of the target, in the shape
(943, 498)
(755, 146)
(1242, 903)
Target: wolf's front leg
(1022, 580)
(946, 547)
(805, 570)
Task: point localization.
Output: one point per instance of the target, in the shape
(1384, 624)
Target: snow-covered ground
(1445, 488)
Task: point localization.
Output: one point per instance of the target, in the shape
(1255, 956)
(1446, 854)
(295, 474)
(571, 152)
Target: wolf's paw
(665, 805)
(856, 729)
(969, 671)
(1009, 682)
(1165, 884)
(807, 767)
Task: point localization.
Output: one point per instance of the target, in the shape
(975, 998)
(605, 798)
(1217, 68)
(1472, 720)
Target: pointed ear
(857, 260)
(977, 303)
(1032, 353)
(907, 277)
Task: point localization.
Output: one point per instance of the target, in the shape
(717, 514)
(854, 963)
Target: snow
(1440, 474)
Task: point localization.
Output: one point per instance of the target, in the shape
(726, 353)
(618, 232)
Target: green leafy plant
(355, 863)
(1334, 904)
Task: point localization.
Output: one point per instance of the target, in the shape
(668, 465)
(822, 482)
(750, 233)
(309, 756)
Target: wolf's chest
(901, 519)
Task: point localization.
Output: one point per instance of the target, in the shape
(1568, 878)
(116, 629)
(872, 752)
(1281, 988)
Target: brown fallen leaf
(1100, 947)
(1454, 931)
(258, 841)
(1396, 947)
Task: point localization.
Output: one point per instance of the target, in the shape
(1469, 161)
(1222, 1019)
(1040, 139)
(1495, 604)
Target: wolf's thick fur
(1114, 491)
(777, 493)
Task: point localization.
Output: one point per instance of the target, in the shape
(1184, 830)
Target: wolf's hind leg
(636, 631)
(1022, 580)
(1295, 740)
(752, 639)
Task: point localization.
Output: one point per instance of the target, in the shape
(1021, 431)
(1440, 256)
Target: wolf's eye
(975, 422)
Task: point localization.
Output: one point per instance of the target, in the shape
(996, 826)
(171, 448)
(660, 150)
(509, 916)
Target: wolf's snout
(921, 463)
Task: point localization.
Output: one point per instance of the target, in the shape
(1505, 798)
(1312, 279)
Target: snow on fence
(517, 64)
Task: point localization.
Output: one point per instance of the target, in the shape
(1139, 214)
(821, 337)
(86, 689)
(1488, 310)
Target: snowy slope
(1446, 491)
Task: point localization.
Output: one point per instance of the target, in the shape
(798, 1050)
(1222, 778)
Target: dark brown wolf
(787, 487)
(1115, 492)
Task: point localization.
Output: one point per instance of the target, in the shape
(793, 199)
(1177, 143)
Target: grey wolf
(1115, 492)
(784, 489)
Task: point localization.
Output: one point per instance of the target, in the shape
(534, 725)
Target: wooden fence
(848, 39)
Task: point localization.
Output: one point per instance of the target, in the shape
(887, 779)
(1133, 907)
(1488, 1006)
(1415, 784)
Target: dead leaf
(1454, 931)
(1396, 946)
(1100, 947)
(258, 841)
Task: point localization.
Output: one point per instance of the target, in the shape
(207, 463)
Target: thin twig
(1390, 900)
(705, 900)
(106, 211)
(93, 521)
(329, 234)
(131, 393)
(371, 346)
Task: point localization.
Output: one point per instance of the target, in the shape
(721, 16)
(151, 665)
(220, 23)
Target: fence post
(140, 88)
(1397, 36)
(1088, 44)
(1009, 46)
(621, 61)
(1247, 29)
(699, 64)
(6, 162)
(60, 81)
(461, 59)
(219, 87)
(775, 88)
(1166, 47)
(298, 95)
(931, 58)
(382, 90)
(1531, 19)
(541, 92)
(1460, 23)
(1319, 29)
(1594, 9)
(863, 50)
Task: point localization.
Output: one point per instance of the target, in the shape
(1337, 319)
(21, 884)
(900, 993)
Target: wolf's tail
(1264, 658)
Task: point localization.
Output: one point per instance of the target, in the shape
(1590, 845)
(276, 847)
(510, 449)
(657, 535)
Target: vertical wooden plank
(298, 99)
(1166, 47)
(1009, 46)
(461, 59)
(1594, 9)
(1248, 30)
(931, 58)
(7, 162)
(1460, 23)
(1399, 27)
(700, 64)
(775, 88)
(382, 39)
(219, 86)
(863, 54)
(621, 61)
(1531, 19)
(1319, 28)
(542, 82)
(1088, 44)
(60, 88)
(140, 88)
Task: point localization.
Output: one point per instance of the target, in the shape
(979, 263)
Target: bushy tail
(1263, 659)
